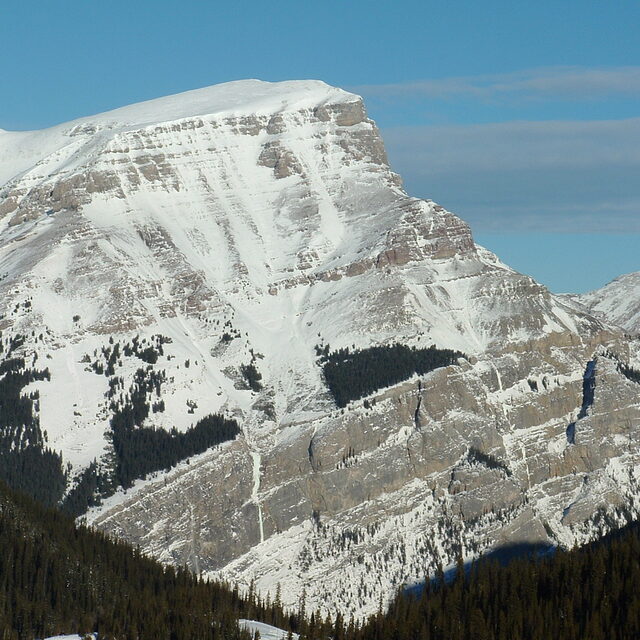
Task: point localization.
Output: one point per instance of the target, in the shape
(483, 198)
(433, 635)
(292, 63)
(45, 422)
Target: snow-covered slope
(248, 223)
(271, 210)
(21, 150)
(617, 302)
(266, 631)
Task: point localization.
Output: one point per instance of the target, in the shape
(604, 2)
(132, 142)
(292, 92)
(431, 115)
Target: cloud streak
(565, 83)
(546, 176)
(522, 145)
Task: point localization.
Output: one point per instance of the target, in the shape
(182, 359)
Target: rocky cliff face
(250, 222)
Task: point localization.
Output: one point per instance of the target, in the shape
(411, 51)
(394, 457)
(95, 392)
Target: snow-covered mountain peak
(232, 99)
(20, 150)
(617, 302)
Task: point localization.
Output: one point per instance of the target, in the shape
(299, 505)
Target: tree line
(354, 374)
(29, 465)
(143, 450)
(139, 451)
(26, 463)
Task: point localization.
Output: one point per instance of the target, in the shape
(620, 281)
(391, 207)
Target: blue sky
(522, 117)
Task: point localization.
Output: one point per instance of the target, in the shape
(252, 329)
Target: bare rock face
(248, 223)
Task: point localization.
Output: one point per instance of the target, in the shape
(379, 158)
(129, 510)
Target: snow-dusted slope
(21, 150)
(247, 223)
(266, 631)
(617, 302)
(271, 210)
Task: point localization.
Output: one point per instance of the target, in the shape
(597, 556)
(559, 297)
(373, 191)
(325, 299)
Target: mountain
(178, 277)
(617, 302)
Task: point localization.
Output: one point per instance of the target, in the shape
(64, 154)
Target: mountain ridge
(232, 99)
(617, 302)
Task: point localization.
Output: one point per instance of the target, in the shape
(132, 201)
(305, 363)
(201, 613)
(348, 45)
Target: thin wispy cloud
(567, 83)
(545, 149)
(520, 145)
(560, 176)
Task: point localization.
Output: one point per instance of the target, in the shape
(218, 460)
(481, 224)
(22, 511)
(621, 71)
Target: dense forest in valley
(591, 593)
(354, 374)
(56, 577)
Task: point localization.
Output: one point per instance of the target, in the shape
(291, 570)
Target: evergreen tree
(58, 578)
(592, 592)
(351, 375)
